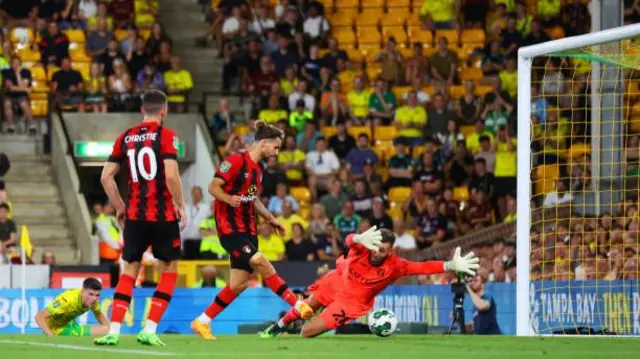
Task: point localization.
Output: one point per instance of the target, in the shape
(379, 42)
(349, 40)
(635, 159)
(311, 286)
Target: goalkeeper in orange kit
(348, 292)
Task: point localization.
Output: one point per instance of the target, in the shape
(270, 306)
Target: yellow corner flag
(25, 241)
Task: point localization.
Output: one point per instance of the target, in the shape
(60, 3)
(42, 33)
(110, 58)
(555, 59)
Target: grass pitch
(334, 347)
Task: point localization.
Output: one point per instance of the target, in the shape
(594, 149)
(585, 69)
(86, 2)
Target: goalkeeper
(370, 266)
(59, 317)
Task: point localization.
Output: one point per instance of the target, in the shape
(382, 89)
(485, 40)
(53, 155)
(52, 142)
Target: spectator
(459, 169)
(316, 26)
(509, 77)
(411, 120)
(553, 81)
(87, 9)
(382, 103)
(129, 42)
(511, 217)
(559, 196)
(240, 40)
(416, 86)
(122, 12)
(163, 58)
(417, 69)
(512, 39)
(405, 242)
(329, 247)
(66, 84)
(48, 258)
(198, 211)
(260, 82)
(439, 116)
(101, 14)
(361, 155)
(330, 60)
(379, 217)
(210, 279)
(429, 175)
(432, 227)
(273, 114)
(496, 114)
(342, 142)
(485, 315)
(400, 168)
(272, 175)
(392, 62)
(299, 117)
(523, 19)
(137, 58)
(415, 205)
(108, 58)
(299, 248)
(223, 122)
(549, 12)
(506, 167)
(307, 139)
(158, 36)
(301, 93)
(473, 141)
(284, 57)
(358, 100)
(347, 222)
(17, 85)
(109, 234)
(96, 87)
(333, 104)
(98, 39)
(334, 200)
(289, 83)
(50, 10)
(478, 215)
(318, 221)
(288, 219)
(493, 60)
(120, 87)
(321, 165)
(440, 14)
(270, 244)
(469, 106)
(291, 160)
(54, 45)
(262, 21)
(8, 231)
(362, 200)
(437, 154)
(450, 139)
(149, 78)
(536, 36)
(179, 84)
(282, 195)
(444, 63)
(449, 208)
(482, 179)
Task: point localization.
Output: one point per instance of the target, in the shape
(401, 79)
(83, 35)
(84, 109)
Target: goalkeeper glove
(467, 264)
(370, 239)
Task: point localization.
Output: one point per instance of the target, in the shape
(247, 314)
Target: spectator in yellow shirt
(288, 218)
(509, 77)
(292, 160)
(524, 19)
(358, 100)
(411, 121)
(549, 12)
(440, 14)
(274, 113)
(289, 83)
(506, 168)
(270, 244)
(179, 83)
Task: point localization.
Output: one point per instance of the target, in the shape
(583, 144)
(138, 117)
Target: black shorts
(241, 247)
(163, 237)
(505, 186)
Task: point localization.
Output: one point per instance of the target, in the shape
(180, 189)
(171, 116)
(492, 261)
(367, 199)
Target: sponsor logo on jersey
(249, 198)
(225, 166)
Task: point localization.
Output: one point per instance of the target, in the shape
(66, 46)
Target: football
(382, 322)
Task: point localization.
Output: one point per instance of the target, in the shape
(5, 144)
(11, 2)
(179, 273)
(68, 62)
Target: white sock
(150, 326)
(114, 328)
(281, 323)
(204, 319)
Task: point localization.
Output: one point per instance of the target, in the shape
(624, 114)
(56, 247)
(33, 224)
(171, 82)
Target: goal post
(607, 59)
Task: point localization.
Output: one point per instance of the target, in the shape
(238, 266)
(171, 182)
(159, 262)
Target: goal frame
(525, 58)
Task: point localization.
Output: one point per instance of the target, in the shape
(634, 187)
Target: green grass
(334, 347)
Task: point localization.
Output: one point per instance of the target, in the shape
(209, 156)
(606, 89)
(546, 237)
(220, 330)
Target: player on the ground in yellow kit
(59, 317)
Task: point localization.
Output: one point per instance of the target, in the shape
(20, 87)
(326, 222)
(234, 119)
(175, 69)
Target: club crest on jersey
(55, 304)
(225, 166)
(246, 249)
(252, 190)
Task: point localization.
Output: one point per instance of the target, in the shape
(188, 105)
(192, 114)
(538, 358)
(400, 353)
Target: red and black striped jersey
(143, 149)
(242, 177)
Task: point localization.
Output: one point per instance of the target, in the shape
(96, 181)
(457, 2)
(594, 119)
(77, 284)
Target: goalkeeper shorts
(73, 329)
(341, 312)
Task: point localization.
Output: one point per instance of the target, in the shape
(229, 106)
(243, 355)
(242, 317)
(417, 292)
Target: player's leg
(166, 248)
(335, 315)
(135, 244)
(289, 317)
(96, 330)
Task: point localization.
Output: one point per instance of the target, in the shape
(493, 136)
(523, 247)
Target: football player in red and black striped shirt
(236, 188)
(154, 208)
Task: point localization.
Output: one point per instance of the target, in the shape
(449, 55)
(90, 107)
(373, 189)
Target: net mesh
(585, 178)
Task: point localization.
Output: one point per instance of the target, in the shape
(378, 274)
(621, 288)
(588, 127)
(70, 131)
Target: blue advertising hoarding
(613, 304)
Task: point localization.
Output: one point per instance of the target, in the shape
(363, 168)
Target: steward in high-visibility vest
(210, 247)
(109, 234)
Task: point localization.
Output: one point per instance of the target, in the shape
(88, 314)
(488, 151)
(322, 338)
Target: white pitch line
(90, 349)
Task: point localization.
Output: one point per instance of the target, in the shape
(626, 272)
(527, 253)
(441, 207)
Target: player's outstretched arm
(369, 239)
(108, 180)
(467, 264)
(41, 320)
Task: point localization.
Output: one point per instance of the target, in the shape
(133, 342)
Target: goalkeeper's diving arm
(467, 265)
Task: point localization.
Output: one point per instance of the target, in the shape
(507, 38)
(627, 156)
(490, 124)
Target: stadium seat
(635, 110)
(414, 19)
(461, 194)
(78, 54)
(578, 150)
(39, 86)
(634, 125)
(355, 131)
(75, 35)
(417, 34)
(383, 172)
(369, 17)
(345, 17)
(396, 16)
(345, 36)
(399, 194)
(473, 36)
(83, 68)
(418, 151)
(384, 149)
(450, 35)
(471, 73)
(120, 34)
(305, 212)
(144, 33)
(328, 131)
(349, 4)
(429, 90)
(242, 130)
(27, 55)
(301, 194)
(51, 70)
(399, 4)
(379, 4)
(395, 211)
(328, 5)
(385, 133)
(467, 130)
(456, 92)
(547, 171)
(38, 73)
(354, 55)
(397, 32)
(369, 51)
(483, 90)
(39, 108)
(399, 91)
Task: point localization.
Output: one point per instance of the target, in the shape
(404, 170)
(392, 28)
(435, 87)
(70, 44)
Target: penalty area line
(89, 349)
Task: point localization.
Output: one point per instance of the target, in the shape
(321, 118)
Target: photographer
(484, 315)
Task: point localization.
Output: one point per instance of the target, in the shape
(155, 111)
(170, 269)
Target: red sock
(122, 298)
(162, 296)
(278, 286)
(223, 299)
(292, 315)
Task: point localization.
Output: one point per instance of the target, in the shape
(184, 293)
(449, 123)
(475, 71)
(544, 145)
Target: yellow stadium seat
(373, 4)
(456, 92)
(429, 90)
(355, 55)
(483, 90)
(344, 17)
(341, 4)
(467, 130)
(403, 4)
(399, 91)
(373, 73)
(383, 172)
(555, 32)
(83, 68)
(368, 35)
(38, 73)
(144, 33)
(399, 194)
(301, 194)
(78, 54)
(345, 36)
(384, 149)
(27, 55)
(418, 151)
(39, 86)
(385, 133)
(579, 150)
(473, 36)
(461, 193)
(40, 95)
(406, 52)
(450, 35)
(634, 125)
(51, 69)
(242, 130)
(547, 171)
(635, 110)
(417, 34)
(414, 19)
(328, 5)
(369, 17)
(369, 51)
(544, 186)
(397, 32)
(39, 108)
(305, 212)
(75, 35)
(471, 73)
(395, 211)
(120, 34)
(328, 131)
(355, 131)
(396, 16)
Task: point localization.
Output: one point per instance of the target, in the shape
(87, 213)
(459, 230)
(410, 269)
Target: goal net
(578, 246)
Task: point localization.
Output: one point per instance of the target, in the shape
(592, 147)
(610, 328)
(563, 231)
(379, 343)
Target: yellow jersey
(359, 103)
(439, 10)
(509, 82)
(287, 223)
(292, 157)
(272, 116)
(506, 161)
(411, 115)
(473, 141)
(271, 247)
(65, 308)
(178, 80)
